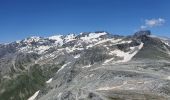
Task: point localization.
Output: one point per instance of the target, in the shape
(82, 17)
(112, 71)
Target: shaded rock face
(142, 33)
(89, 66)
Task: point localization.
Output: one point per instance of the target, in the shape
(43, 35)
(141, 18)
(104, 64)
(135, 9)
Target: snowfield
(34, 96)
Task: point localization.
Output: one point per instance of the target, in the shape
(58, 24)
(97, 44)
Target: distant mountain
(88, 66)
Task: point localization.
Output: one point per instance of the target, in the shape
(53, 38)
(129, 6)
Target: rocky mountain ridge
(88, 66)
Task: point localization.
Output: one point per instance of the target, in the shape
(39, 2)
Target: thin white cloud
(143, 27)
(149, 23)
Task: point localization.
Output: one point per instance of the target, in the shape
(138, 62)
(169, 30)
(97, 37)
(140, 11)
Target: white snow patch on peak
(55, 37)
(127, 56)
(31, 39)
(34, 96)
(93, 36)
(36, 38)
(58, 39)
(49, 81)
(70, 37)
(96, 35)
(18, 41)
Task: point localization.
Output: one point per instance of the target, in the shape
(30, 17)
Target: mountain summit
(88, 66)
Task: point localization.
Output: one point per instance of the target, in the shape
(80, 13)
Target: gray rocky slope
(89, 66)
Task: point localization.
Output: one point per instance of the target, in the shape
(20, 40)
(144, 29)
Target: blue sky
(24, 18)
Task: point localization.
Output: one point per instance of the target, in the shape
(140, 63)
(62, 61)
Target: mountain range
(87, 66)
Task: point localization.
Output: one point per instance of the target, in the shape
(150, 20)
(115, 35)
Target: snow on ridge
(123, 42)
(77, 56)
(18, 41)
(41, 49)
(34, 95)
(87, 66)
(65, 39)
(62, 67)
(72, 49)
(69, 37)
(108, 60)
(163, 39)
(31, 39)
(104, 41)
(58, 39)
(49, 81)
(92, 36)
(165, 42)
(127, 56)
(55, 37)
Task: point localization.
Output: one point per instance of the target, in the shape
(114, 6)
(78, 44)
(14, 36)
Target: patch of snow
(69, 50)
(18, 41)
(49, 81)
(34, 96)
(132, 48)
(58, 39)
(103, 41)
(140, 46)
(31, 39)
(62, 67)
(59, 95)
(168, 78)
(79, 48)
(55, 37)
(88, 66)
(41, 49)
(89, 46)
(108, 60)
(38, 49)
(127, 56)
(91, 75)
(69, 38)
(108, 88)
(116, 40)
(97, 43)
(123, 42)
(77, 56)
(92, 36)
(166, 43)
